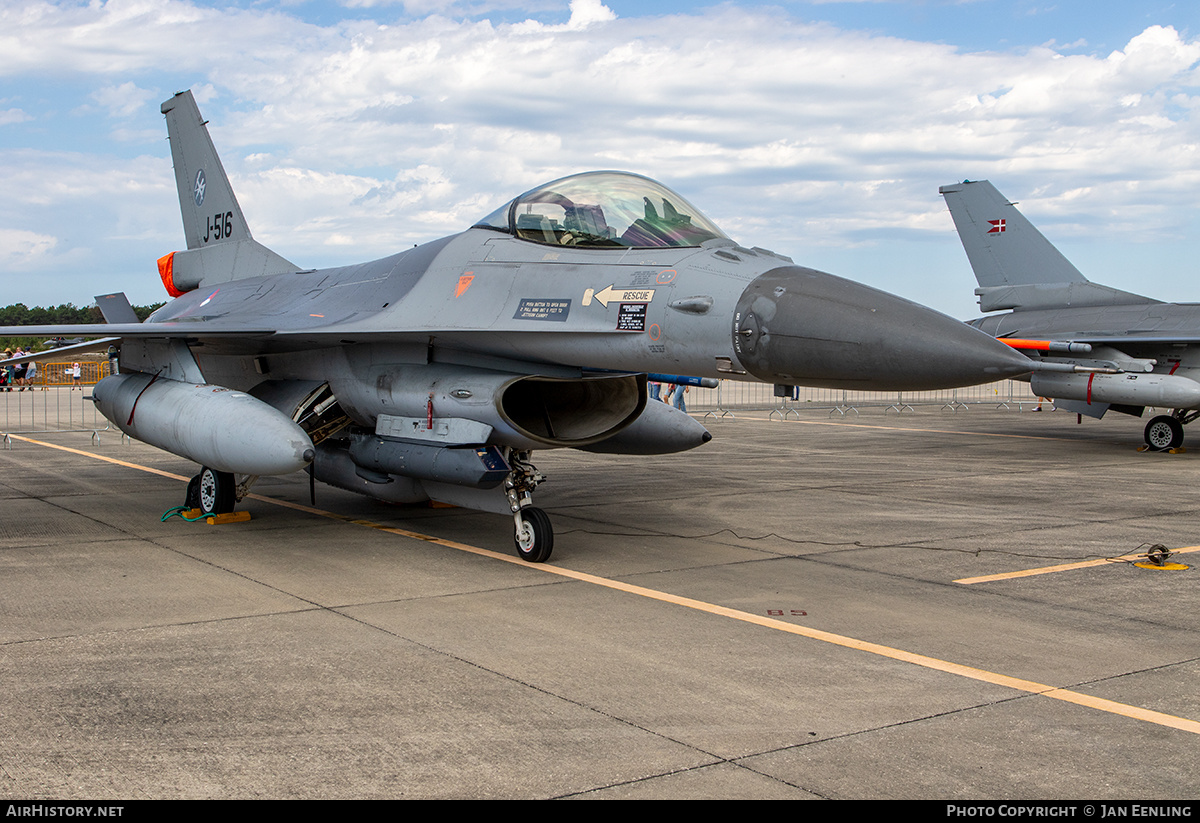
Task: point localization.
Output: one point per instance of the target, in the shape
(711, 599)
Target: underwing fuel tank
(799, 326)
(225, 430)
(1164, 390)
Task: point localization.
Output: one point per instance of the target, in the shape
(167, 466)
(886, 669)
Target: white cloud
(8, 116)
(122, 100)
(19, 249)
(585, 13)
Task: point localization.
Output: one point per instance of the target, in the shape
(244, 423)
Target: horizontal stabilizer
(1054, 295)
(60, 353)
(116, 308)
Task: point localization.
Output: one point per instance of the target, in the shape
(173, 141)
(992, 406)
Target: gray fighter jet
(1126, 352)
(434, 373)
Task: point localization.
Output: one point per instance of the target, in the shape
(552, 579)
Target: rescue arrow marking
(608, 294)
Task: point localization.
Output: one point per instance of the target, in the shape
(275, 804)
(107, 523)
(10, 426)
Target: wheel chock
(217, 519)
(228, 517)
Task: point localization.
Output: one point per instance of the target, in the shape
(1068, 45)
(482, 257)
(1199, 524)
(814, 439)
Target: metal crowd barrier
(731, 397)
(53, 402)
(62, 374)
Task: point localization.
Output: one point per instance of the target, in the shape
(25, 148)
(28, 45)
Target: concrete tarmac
(773, 615)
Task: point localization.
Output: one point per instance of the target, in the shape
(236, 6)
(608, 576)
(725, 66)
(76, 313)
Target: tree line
(18, 314)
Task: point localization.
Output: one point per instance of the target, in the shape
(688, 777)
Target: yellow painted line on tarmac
(933, 663)
(99, 457)
(1064, 567)
(1029, 686)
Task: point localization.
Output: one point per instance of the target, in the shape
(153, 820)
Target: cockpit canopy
(604, 209)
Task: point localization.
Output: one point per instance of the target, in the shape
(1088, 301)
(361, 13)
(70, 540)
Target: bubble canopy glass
(604, 209)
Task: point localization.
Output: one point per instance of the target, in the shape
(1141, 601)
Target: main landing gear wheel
(1164, 432)
(215, 491)
(535, 535)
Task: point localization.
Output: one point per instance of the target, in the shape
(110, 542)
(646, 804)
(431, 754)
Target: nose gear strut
(534, 534)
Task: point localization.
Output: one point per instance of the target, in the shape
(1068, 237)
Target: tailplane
(1015, 265)
(219, 244)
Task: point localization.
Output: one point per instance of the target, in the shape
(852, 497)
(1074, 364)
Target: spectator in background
(677, 399)
(19, 369)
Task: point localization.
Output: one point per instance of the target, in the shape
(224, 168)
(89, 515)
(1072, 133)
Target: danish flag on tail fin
(997, 227)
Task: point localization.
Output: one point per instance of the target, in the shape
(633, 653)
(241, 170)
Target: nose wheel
(535, 535)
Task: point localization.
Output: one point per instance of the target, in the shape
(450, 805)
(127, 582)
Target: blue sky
(820, 130)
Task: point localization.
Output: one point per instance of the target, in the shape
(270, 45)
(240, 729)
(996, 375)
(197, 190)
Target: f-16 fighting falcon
(436, 372)
(1124, 352)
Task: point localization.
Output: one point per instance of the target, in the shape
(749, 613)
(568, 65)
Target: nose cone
(803, 327)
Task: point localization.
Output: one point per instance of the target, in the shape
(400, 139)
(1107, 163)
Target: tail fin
(220, 247)
(1015, 265)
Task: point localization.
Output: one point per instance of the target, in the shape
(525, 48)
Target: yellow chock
(228, 517)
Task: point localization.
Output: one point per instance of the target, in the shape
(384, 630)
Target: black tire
(537, 541)
(1164, 432)
(192, 498)
(215, 492)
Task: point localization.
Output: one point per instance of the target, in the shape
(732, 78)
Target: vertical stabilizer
(211, 213)
(1015, 265)
(1004, 248)
(219, 244)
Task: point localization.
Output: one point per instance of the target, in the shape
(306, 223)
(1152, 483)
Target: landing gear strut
(534, 534)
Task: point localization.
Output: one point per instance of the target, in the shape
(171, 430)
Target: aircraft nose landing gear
(534, 534)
